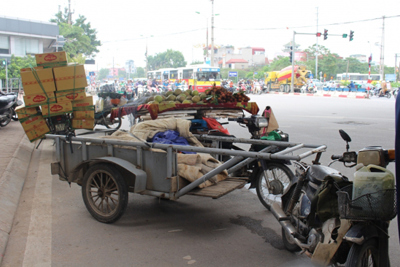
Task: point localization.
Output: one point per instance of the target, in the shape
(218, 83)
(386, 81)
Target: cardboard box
(24, 112)
(70, 77)
(84, 114)
(83, 104)
(36, 100)
(37, 81)
(37, 133)
(82, 124)
(70, 95)
(56, 109)
(49, 60)
(33, 122)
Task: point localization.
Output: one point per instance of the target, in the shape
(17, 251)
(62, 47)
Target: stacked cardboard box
(83, 113)
(53, 86)
(35, 127)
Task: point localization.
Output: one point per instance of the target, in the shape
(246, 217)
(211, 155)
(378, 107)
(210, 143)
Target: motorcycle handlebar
(335, 157)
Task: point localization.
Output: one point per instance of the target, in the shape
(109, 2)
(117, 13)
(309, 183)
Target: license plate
(60, 127)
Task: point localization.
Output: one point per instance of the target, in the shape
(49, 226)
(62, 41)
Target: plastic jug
(370, 179)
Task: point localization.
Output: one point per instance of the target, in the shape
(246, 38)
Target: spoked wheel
(112, 124)
(105, 193)
(363, 255)
(8, 118)
(279, 177)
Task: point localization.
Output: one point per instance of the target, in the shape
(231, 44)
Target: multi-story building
(21, 37)
(246, 56)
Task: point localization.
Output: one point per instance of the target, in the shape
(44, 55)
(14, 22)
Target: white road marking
(38, 246)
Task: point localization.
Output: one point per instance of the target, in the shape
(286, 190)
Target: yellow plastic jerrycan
(370, 179)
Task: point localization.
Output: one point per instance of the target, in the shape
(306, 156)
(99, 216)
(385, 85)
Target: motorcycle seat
(318, 173)
(5, 99)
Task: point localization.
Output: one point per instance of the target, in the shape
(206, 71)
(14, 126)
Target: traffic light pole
(293, 57)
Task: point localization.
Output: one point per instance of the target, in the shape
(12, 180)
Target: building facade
(21, 37)
(246, 56)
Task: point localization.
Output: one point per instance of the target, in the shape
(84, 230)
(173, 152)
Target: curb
(319, 94)
(11, 185)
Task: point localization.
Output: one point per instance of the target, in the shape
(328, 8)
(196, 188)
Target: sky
(125, 27)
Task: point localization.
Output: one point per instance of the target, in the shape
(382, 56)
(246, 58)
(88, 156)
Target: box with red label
(36, 100)
(33, 122)
(83, 104)
(82, 124)
(49, 60)
(37, 80)
(84, 114)
(70, 77)
(37, 132)
(56, 109)
(24, 112)
(70, 95)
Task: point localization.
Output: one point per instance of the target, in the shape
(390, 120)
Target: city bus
(154, 74)
(357, 77)
(200, 77)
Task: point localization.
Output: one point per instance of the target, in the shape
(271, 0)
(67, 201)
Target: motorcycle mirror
(346, 138)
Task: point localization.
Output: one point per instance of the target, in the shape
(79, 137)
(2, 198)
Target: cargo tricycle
(109, 169)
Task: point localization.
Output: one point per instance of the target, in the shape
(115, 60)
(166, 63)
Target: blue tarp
(171, 137)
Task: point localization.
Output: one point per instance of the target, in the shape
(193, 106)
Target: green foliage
(81, 38)
(167, 59)
(197, 62)
(103, 74)
(139, 73)
(16, 64)
(279, 63)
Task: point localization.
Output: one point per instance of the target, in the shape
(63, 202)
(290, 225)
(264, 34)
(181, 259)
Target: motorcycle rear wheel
(115, 124)
(366, 254)
(279, 177)
(8, 119)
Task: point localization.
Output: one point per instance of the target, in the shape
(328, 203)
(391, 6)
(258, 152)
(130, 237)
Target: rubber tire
(6, 122)
(122, 190)
(113, 126)
(290, 246)
(356, 254)
(268, 88)
(389, 95)
(260, 174)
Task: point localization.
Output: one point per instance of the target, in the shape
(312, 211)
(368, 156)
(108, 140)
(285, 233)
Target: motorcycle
(270, 178)
(8, 103)
(322, 216)
(395, 92)
(377, 92)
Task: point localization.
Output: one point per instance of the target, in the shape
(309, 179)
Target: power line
(299, 27)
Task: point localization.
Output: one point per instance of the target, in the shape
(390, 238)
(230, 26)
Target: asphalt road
(53, 228)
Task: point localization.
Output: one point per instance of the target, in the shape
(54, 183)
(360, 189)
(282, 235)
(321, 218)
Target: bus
(357, 77)
(196, 77)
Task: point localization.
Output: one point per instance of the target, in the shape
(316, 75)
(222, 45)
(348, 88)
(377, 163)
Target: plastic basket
(380, 205)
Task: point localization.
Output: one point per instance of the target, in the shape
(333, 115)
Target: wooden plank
(220, 189)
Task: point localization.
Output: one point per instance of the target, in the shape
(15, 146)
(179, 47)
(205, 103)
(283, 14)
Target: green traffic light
(344, 35)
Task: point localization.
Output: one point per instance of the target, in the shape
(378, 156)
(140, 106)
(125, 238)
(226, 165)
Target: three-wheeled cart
(108, 169)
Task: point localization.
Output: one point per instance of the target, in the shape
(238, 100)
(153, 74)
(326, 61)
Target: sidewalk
(15, 155)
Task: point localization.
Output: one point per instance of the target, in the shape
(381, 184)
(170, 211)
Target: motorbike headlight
(261, 122)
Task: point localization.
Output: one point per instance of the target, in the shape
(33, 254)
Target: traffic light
(3, 62)
(351, 36)
(325, 34)
(291, 54)
(318, 34)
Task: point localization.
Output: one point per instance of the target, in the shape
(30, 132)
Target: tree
(167, 59)
(16, 64)
(103, 74)
(279, 63)
(81, 38)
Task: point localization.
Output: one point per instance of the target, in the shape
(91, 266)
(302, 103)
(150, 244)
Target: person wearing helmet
(384, 88)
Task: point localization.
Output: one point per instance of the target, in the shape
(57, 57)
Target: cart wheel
(105, 193)
(279, 178)
(115, 124)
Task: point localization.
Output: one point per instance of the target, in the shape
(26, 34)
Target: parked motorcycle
(8, 103)
(335, 221)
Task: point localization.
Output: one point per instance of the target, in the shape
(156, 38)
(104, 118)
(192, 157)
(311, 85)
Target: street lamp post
(206, 36)
(212, 33)
(147, 62)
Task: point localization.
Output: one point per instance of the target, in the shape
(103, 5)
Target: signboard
(311, 76)
(233, 74)
(130, 66)
(208, 69)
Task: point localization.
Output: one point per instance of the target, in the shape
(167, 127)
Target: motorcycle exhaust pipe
(280, 215)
